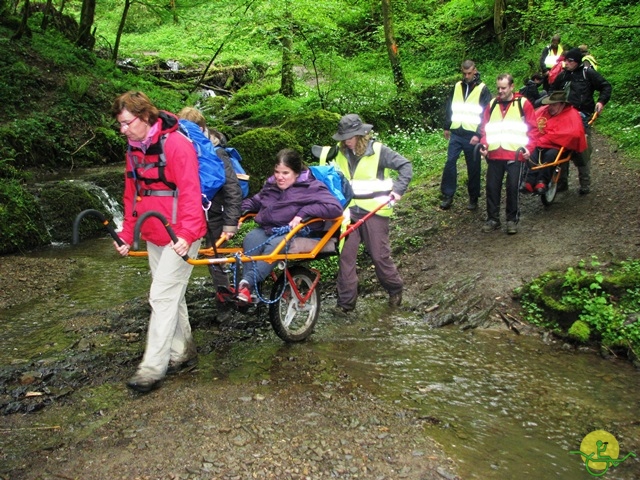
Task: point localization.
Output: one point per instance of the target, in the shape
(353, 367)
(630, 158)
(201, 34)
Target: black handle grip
(163, 219)
(102, 218)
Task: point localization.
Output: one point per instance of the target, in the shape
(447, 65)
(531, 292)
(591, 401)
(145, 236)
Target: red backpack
(557, 68)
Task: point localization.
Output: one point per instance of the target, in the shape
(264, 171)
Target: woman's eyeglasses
(126, 125)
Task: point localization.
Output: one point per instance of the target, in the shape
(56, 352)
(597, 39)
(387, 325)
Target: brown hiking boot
(395, 300)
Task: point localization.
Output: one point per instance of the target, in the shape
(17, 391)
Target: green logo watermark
(600, 451)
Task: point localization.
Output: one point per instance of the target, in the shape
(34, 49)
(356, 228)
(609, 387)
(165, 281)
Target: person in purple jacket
(287, 197)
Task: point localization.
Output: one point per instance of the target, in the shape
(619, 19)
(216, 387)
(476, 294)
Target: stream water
(504, 406)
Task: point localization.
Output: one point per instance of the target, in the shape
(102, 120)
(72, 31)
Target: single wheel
(548, 196)
(293, 320)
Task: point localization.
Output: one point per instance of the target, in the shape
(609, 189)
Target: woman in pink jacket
(162, 176)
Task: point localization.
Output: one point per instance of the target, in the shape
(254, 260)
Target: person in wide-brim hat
(351, 125)
(366, 163)
(559, 96)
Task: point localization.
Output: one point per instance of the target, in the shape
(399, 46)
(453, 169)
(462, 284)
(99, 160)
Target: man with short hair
(461, 127)
(581, 83)
(508, 125)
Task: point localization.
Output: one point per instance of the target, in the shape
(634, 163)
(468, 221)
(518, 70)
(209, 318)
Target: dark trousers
(449, 182)
(544, 155)
(215, 224)
(496, 170)
(582, 161)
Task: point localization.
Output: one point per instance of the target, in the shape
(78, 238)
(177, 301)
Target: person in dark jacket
(288, 197)
(531, 90)
(461, 128)
(224, 212)
(582, 82)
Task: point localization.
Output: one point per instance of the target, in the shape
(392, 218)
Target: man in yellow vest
(549, 57)
(509, 134)
(462, 130)
(366, 164)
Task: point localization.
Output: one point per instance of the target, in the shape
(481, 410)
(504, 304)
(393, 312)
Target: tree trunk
(392, 47)
(23, 29)
(174, 11)
(123, 21)
(85, 38)
(287, 79)
(499, 21)
(47, 14)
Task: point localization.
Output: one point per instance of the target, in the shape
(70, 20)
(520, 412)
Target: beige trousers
(169, 333)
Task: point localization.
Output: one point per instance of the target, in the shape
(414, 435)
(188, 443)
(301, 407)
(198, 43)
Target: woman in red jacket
(162, 176)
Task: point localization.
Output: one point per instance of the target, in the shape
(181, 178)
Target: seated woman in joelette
(287, 197)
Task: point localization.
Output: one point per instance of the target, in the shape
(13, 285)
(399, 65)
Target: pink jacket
(181, 170)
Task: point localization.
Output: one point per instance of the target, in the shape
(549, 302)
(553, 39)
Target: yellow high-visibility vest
(551, 59)
(508, 132)
(466, 113)
(365, 181)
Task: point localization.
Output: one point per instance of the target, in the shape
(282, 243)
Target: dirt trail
(604, 223)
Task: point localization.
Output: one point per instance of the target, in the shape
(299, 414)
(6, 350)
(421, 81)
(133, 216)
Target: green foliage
(77, 86)
(579, 331)
(603, 299)
(259, 148)
(424, 147)
(313, 128)
(21, 224)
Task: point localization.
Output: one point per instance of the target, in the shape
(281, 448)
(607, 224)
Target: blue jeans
(258, 242)
(449, 183)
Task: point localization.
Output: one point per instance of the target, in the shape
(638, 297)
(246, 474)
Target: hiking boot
(473, 204)
(584, 190)
(189, 359)
(223, 293)
(142, 383)
(341, 312)
(490, 226)
(446, 203)
(540, 188)
(395, 300)
(512, 228)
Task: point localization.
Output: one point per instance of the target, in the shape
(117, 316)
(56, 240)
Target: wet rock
(29, 378)
(446, 474)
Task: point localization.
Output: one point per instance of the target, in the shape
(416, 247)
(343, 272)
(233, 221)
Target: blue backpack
(210, 167)
(335, 181)
(236, 159)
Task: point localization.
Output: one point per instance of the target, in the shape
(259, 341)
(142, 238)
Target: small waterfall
(112, 207)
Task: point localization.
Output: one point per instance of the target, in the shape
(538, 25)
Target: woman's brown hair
(138, 104)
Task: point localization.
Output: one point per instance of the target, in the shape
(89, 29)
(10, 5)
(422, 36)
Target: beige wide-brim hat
(351, 125)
